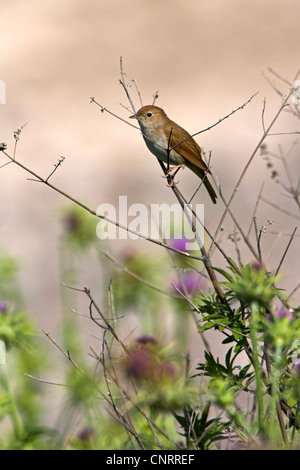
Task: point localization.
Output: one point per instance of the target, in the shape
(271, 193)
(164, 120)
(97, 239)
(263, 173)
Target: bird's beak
(133, 116)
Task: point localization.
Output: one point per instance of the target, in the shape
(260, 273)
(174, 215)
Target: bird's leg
(170, 174)
(174, 169)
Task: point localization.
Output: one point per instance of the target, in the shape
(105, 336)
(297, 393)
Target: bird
(171, 143)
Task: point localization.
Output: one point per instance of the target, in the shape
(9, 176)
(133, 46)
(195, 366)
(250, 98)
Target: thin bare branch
(263, 115)
(285, 251)
(155, 96)
(255, 209)
(94, 213)
(104, 109)
(56, 165)
(259, 234)
(17, 134)
(48, 382)
(280, 209)
(138, 91)
(108, 326)
(126, 86)
(245, 238)
(135, 276)
(277, 75)
(242, 106)
(261, 140)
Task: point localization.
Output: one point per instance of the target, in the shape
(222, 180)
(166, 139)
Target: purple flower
(142, 365)
(128, 254)
(297, 367)
(179, 243)
(257, 265)
(3, 306)
(189, 282)
(168, 370)
(146, 339)
(285, 313)
(71, 222)
(86, 433)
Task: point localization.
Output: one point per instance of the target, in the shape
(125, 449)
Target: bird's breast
(158, 145)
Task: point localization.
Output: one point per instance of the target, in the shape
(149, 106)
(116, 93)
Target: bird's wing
(188, 149)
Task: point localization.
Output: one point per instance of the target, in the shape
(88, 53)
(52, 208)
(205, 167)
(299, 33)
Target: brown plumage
(161, 134)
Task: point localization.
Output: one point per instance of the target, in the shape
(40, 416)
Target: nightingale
(168, 141)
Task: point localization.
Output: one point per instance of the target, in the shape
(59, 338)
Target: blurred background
(204, 57)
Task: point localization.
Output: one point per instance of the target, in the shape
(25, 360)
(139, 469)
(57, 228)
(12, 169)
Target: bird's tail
(203, 175)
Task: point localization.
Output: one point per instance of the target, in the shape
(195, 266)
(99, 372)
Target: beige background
(205, 58)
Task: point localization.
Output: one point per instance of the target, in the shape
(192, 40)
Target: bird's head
(150, 116)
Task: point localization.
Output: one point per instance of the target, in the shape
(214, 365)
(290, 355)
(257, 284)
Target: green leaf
(224, 273)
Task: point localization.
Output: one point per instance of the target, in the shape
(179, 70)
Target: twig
(155, 96)
(259, 234)
(242, 106)
(138, 91)
(263, 115)
(94, 213)
(277, 75)
(56, 165)
(105, 321)
(279, 92)
(122, 81)
(293, 291)
(17, 138)
(278, 402)
(235, 241)
(285, 251)
(202, 181)
(195, 318)
(245, 238)
(38, 379)
(280, 209)
(4, 164)
(261, 140)
(255, 209)
(285, 133)
(294, 191)
(213, 241)
(205, 256)
(135, 276)
(68, 356)
(110, 372)
(103, 109)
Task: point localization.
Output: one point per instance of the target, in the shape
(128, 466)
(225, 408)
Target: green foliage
(15, 329)
(9, 282)
(168, 396)
(79, 228)
(152, 400)
(234, 374)
(129, 292)
(259, 332)
(165, 397)
(252, 284)
(208, 431)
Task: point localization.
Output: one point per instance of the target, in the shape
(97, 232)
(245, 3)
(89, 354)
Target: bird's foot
(173, 170)
(170, 174)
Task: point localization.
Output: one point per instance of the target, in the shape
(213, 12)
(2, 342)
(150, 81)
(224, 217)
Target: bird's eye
(149, 114)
